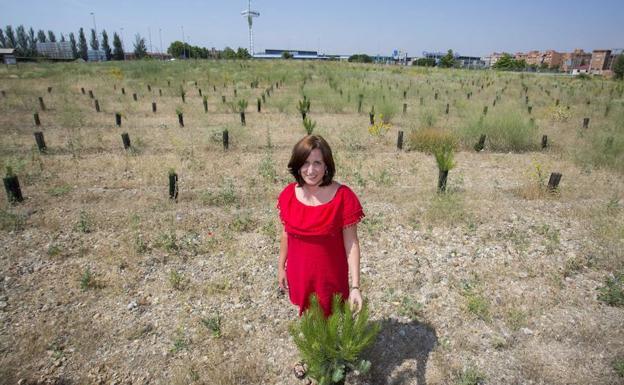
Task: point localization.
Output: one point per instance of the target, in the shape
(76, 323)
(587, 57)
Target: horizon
(347, 28)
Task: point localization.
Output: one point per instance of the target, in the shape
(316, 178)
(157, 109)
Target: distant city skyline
(339, 27)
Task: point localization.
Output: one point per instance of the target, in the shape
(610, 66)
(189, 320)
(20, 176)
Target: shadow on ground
(400, 353)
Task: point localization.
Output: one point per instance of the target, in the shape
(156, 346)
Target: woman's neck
(311, 189)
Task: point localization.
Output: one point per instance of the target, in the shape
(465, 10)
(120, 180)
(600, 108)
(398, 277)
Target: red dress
(316, 260)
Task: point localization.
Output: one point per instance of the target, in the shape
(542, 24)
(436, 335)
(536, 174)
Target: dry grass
(499, 273)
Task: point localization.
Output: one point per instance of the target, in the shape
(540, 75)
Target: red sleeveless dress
(316, 260)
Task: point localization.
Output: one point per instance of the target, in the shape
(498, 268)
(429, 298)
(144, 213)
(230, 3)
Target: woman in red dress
(319, 247)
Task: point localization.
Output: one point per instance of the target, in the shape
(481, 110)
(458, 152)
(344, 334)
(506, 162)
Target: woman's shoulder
(289, 189)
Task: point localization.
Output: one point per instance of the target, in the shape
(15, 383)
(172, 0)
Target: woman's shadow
(399, 355)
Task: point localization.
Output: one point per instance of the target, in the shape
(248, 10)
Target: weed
(213, 324)
(179, 342)
(226, 196)
(11, 222)
(140, 246)
(383, 178)
(87, 280)
(59, 190)
(84, 222)
(410, 308)
(167, 241)
(267, 168)
(176, 280)
(618, 366)
(612, 293)
(471, 376)
(242, 223)
(516, 319)
(54, 250)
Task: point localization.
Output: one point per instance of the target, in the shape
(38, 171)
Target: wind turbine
(250, 15)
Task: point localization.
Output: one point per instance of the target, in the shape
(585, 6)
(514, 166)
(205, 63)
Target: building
(56, 50)
(552, 59)
(575, 60)
(297, 55)
(601, 60)
(8, 56)
(493, 58)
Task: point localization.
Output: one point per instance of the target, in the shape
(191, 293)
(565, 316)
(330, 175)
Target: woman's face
(314, 168)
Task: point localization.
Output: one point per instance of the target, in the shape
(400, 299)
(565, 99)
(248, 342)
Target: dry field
(105, 280)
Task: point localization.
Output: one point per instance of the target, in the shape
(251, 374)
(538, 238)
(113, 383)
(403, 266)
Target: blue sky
(341, 27)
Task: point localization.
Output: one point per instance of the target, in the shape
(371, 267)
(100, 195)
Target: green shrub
(444, 156)
(428, 139)
(505, 131)
(332, 346)
(612, 293)
(605, 149)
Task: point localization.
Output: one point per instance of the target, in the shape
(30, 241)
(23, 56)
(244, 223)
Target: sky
(474, 28)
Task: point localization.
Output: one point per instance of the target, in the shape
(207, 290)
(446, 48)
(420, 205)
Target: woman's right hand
(281, 279)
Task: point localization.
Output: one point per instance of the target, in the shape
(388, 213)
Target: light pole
(183, 44)
(123, 39)
(94, 26)
(162, 57)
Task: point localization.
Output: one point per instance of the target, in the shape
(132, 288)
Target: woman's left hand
(355, 300)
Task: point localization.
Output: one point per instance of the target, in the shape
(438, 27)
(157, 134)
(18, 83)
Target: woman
(319, 247)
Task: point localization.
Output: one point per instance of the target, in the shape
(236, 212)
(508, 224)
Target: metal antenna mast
(250, 15)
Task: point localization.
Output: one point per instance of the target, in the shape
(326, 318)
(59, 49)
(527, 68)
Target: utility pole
(161, 49)
(149, 33)
(183, 44)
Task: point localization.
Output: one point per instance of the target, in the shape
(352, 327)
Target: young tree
(22, 41)
(2, 39)
(448, 60)
(41, 36)
(140, 50)
(72, 42)
(618, 67)
(105, 46)
(82, 45)
(32, 42)
(118, 52)
(62, 38)
(287, 55)
(11, 42)
(95, 44)
(51, 36)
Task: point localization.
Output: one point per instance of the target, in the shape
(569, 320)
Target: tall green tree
(11, 42)
(95, 44)
(82, 45)
(22, 41)
(242, 53)
(41, 36)
(51, 36)
(228, 53)
(32, 42)
(140, 49)
(176, 49)
(105, 46)
(72, 43)
(618, 67)
(118, 52)
(2, 39)
(448, 60)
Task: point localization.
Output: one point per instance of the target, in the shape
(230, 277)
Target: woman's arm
(281, 264)
(352, 248)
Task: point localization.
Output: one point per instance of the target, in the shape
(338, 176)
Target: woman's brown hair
(302, 150)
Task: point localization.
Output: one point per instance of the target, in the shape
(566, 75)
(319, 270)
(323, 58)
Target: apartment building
(601, 60)
(576, 59)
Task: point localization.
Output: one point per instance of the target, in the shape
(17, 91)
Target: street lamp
(94, 26)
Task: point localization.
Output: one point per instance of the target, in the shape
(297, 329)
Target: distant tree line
(184, 50)
(25, 44)
(360, 58)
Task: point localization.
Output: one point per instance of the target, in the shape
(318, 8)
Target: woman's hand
(355, 300)
(281, 279)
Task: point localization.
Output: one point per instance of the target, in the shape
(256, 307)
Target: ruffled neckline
(333, 199)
